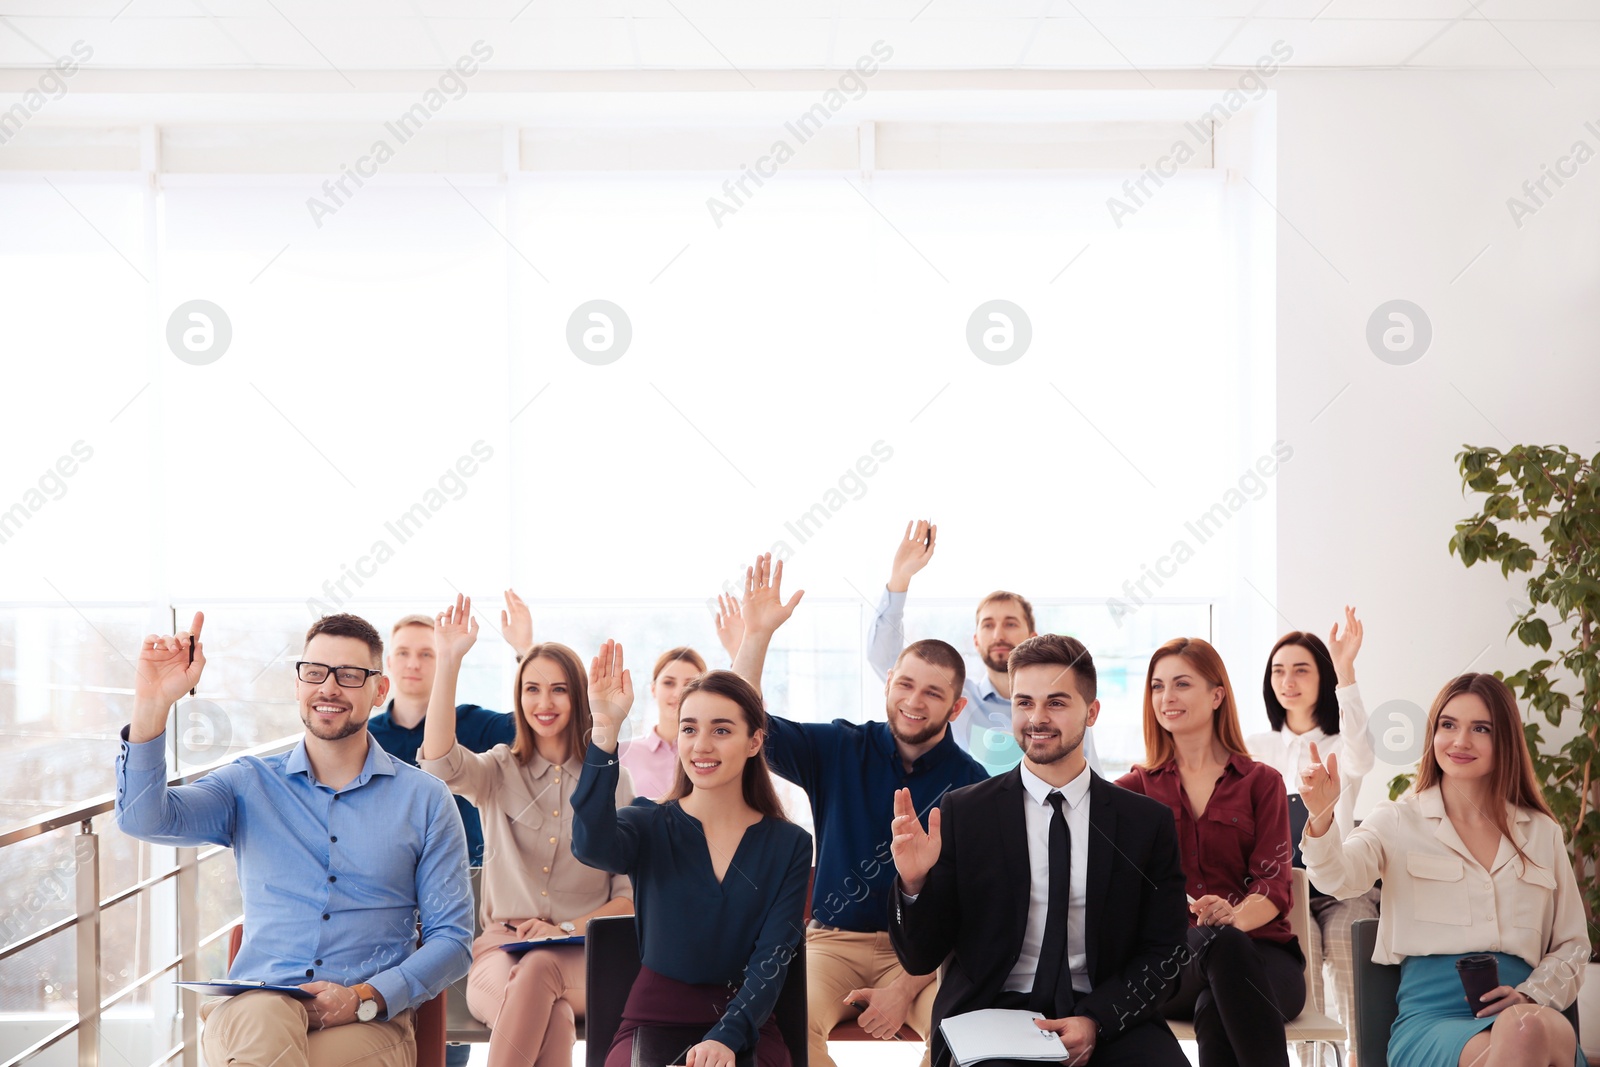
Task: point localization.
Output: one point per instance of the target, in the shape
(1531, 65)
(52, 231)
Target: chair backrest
(611, 963)
(1300, 922)
(1377, 988)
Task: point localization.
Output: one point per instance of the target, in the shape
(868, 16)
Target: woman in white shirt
(1311, 697)
(1471, 862)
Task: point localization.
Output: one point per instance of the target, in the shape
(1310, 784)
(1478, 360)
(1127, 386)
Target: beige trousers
(838, 961)
(262, 1029)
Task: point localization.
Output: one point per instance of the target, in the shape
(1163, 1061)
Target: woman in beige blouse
(532, 886)
(1472, 862)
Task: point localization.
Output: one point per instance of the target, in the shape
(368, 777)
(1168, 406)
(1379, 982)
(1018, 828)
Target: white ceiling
(346, 36)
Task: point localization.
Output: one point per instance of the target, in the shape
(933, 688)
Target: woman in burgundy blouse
(1243, 975)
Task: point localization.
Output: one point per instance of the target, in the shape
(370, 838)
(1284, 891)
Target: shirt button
(542, 893)
(334, 838)
(333, 877)
(552, 840)
(547, 870)
(556, 812)
(325, 918)
(309, 972)
(1200, 885)
(319, 963)
(558, 779)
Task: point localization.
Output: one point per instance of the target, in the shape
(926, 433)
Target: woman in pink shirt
(1244, 973)
(652, 759)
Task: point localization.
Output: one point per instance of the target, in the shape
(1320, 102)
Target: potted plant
(1553, 493)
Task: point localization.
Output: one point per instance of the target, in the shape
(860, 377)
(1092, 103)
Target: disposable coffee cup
(1479, 974)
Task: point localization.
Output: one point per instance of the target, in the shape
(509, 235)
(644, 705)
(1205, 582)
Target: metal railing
(89, 906)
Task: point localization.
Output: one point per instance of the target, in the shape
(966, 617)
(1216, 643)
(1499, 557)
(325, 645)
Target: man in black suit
(1056, 891)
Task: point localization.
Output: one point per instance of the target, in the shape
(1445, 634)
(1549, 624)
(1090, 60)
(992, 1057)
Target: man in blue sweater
(850, 772)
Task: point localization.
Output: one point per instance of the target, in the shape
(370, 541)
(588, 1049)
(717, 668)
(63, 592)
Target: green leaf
(1534, 632)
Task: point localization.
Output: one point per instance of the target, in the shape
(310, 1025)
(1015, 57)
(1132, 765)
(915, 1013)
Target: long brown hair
(757, 780)
(1513, 778)
(1158, 745)
(579, 725)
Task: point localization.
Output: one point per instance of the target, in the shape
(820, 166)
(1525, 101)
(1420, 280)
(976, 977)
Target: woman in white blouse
(1471, 862)
(1312, 699)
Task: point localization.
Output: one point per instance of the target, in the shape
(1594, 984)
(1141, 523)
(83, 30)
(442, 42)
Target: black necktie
(1053, 972)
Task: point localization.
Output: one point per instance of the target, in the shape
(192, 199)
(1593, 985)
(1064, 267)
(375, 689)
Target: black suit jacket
(974, 904)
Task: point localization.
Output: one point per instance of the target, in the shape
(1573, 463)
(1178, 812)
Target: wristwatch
(368, 1008)
(567, 928)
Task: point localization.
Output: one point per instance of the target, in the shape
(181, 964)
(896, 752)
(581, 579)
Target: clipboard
(541, 942)
(230, 988)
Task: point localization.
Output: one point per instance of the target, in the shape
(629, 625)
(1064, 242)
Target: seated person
(409, 666)
(1472, 862)
(1077, 883)
(850, 773)
(719, 875)
(533, 887)
(652, 759)
(339, 846)
(1312, 699)
(1244, 974)
(1004, 620)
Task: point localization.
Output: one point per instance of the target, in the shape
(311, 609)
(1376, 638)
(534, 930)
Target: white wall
(1397, 181)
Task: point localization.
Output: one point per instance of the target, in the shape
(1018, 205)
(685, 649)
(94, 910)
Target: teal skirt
(1434, 1023)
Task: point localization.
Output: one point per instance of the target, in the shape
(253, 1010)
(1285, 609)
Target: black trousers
(1240, 991)
(1149, 1044)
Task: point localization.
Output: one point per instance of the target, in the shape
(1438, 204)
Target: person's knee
(1520, 1029)
(1226, 947)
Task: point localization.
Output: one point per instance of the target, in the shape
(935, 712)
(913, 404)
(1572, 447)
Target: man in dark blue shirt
(398, 728)
(850, 772)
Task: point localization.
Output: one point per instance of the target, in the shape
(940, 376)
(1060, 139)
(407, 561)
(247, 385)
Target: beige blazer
(529, 871)
(1438, 900)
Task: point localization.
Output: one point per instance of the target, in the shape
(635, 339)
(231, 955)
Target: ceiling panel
(783, 34)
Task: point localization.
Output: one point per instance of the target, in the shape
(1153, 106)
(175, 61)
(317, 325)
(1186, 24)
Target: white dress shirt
(1038, 813)
(1439, 900)
(1289, 753)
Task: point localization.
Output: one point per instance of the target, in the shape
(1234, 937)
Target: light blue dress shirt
(984, 729)
(333, 880)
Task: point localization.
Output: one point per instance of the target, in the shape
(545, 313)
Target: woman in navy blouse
(719, 873)
(1244, 973)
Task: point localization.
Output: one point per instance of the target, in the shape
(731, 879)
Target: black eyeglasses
(347, 677)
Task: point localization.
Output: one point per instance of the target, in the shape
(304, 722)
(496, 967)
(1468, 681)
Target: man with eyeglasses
(340, 847)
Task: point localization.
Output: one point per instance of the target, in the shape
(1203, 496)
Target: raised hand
(763, 608)
(454, 630)
(914, 849)
(730, 624)
(610, 695)
(516, 623)
(1344, 649)
(1319, 788)
(912, 553)
(169, 665)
